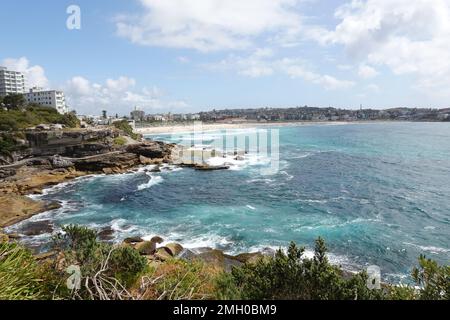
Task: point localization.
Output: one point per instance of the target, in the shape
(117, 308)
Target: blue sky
(187, 56)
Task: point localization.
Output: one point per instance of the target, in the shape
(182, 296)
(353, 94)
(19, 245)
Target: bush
(19, 276)
(13, 120)
(106, 270)
(292, 277)
(126, 128)
(433, 279)
(120, 141)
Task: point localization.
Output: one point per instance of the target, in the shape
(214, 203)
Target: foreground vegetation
(120, 272)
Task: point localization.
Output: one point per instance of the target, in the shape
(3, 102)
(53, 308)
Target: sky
(187, 56)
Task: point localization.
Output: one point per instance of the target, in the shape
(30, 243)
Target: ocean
(379, 194)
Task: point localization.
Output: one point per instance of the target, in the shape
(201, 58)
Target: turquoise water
(377, 193)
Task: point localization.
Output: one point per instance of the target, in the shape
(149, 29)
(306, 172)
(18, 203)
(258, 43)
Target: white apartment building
(11, 82)
(48, 98)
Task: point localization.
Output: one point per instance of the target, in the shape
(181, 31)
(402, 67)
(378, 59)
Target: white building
(11, 82)
(48, 98)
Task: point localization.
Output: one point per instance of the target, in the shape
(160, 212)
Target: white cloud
(116, 96)
(209, 25)
(373, 88)
(262, 63)
(182, 59)
(34, 75)
(409, 37)
(367, 72)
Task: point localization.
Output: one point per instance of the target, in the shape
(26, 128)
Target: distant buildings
(137, 115)
(11, 82)
(48, 98)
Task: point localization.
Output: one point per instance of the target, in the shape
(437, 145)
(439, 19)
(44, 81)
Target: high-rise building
(137, 114)
(11, 82)
(48, 98)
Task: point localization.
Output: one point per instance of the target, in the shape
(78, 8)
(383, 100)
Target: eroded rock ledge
(32, 175)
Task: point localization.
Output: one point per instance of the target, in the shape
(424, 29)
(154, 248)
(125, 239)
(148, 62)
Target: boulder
(163, 254)
(106, 234)
(133, 240)
(38, 228)
(146, 248)
(157, 240)
(174, 248)
(219, 259)
(249, 257)
(151, 149)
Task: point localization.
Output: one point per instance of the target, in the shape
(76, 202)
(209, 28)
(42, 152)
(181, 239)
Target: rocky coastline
(85, 153)
(81, 153)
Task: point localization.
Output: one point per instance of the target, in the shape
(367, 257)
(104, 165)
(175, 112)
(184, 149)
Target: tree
(14, 101)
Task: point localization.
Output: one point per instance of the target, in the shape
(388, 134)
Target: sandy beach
(177, 128)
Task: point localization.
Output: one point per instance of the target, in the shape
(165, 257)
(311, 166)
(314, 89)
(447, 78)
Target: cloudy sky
(192, 55)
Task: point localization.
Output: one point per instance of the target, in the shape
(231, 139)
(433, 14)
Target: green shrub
(126, 128)
(120, 141)
(292, 277)
(106, 269)
(19, 276)
(433, 279)
(17, 119)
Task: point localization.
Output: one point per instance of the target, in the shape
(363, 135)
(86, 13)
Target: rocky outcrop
(15, 208)
(109, 163)
(152, 150)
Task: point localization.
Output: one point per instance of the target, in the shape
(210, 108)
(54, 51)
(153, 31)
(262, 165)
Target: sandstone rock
(211, 168)
(157, 240)
(219, 259)
(38, 228)
(174, 248)
(14, 208)
(249, 257)
(146, 248)
(151, 149)
(133, 240)
(114, 162)
(14, 236)
(145, 161)
(269, 252)
(163, 254)
(106, 234)
(187, 254)
(59, 162)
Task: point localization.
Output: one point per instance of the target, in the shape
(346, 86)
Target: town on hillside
(14, 83)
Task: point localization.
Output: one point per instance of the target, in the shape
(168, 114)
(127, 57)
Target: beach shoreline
(180, 128)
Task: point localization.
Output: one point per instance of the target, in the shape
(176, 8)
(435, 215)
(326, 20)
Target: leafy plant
(106, 269)
(434, 280)
(126, 128)
(292, 277)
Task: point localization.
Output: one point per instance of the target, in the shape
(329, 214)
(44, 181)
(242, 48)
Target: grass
(178, 280)
(120, 141)
(19, 274)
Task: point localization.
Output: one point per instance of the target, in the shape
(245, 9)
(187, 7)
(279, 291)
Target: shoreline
(189, 127)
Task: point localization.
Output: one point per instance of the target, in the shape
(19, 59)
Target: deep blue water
(378, 193)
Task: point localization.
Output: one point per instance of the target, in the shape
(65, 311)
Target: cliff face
(79, 143)
(54, 157)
